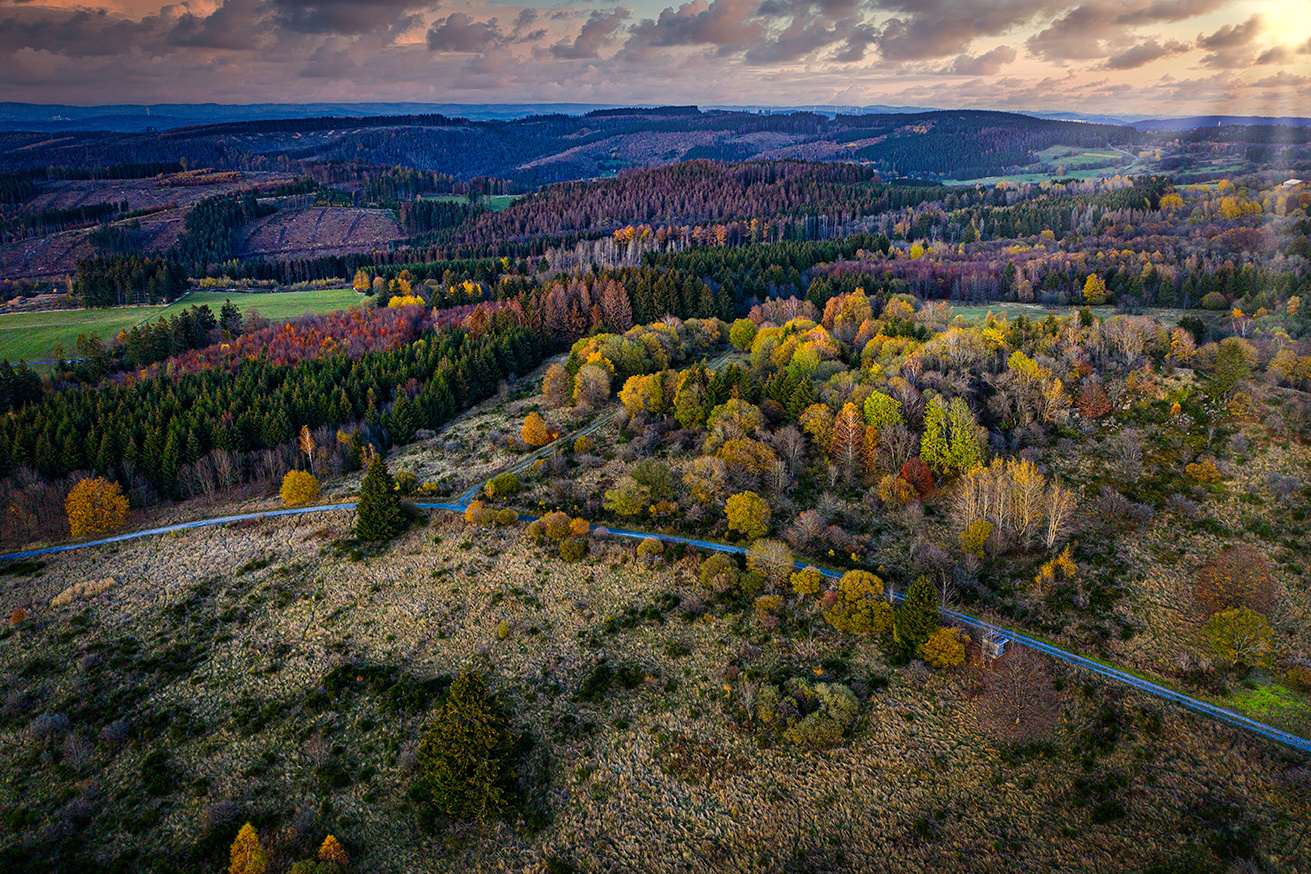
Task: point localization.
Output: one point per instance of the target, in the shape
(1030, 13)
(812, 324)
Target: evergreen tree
(917, 617)
(378, 514)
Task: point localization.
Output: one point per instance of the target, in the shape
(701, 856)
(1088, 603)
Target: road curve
(1222, 714)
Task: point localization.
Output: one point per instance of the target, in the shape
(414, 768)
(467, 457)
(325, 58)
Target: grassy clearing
(277, 305)
(36, 336)
(495, 202)
(1165, 315)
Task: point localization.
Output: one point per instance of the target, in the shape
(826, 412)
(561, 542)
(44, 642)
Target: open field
(495, 202)
(274, 305)
(34, 336)
(1167, 316)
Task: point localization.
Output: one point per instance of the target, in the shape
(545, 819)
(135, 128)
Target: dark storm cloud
(597, 33)
(859, 38)
(987, 64)
(459, 33)
(1144, 53)
(81, 34)
(233, 26)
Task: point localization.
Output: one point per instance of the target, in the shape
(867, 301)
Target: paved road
(1220, 713)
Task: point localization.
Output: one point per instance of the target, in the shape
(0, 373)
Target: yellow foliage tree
(974, 536)
(1240, 636)
(95, 506)
(1094, 290)
(332, 851)
(944, 649)
(247, 854)
(859, 607)
(807, 581)
(299, 487)
(535, 432)
(749, 514)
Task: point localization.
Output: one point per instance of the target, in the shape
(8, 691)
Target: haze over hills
(131, 117)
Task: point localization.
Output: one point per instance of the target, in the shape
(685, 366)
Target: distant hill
(559, 146)
(1200, 121)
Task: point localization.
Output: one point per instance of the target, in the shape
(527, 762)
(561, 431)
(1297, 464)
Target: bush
(858, 606)
(718, 573)
(507, 517)
(95, 506)
(502, 485)
(556, 525)
(944, 649)
(836, 713)
(573, 549)
(465, 751)
(299, 487)
(1298, 677)
(651, 549)
(479, 514)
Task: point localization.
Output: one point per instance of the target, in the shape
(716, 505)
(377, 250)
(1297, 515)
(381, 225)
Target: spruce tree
(917, 617)
(378, 514)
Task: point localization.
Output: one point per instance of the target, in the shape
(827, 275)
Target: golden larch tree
(95, 506)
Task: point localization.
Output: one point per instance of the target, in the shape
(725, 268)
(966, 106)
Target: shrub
(772, 559)
(507, 517)
(502, 485)
(974, 536)
(767, 605)
(535, 431)
(465, 751)
(1299, 677)
(1237, 577)
(836, 713)
(579, 527)
(479, 514)
(573, 549)
(651, 549)
(247, 854)
(582, 445)
(718, 573)
(81, 591)
(407, 483)
(95, 506)
(1204, 471)
(299, 487)
(556, 525)
(944, 649)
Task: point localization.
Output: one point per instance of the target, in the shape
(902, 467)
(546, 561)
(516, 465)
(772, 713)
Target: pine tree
(917, 617)
(465, 751)
(378, 513)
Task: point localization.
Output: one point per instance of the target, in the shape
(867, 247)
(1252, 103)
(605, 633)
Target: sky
(1125, 57)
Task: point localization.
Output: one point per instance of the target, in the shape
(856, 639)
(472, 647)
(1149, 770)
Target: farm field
(35, 336)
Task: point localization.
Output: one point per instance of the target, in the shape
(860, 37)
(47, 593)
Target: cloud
(988, 64)
(1276, 55)
(233, 26)
(728, 26)
(1144, 53)
(1077, 35)
(1305, 48)
(1169, 10)
(858, 39)
(926, 29)
(458, 33)
(800, 39)
(598, 32)
(347, 16)
(1229, 45)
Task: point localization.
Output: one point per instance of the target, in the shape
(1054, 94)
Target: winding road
(1221, 714)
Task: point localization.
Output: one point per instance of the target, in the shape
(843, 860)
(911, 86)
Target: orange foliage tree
(332, 851)
(1238, 577)
(247, 854)
(535, 432)
(95, 506)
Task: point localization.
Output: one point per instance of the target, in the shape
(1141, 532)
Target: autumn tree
(1240, 636)
(772, 559)
(718, 573)
(557, 386)
(917, 617)
(883, 411)
(858, 606)
(591, 386)
(1238, 577)
(465, 752)
(95, 506)
(379, 516)
(847, 445)
(1094, 290)
(299, 487)
(742, 333)
(951, 442)
(247, 854)
(807, 581)
(628, 497)
(332, 851)
(944, 649)
(748, 514)
(534, 431)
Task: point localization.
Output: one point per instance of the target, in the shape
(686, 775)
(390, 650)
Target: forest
(698, 499)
